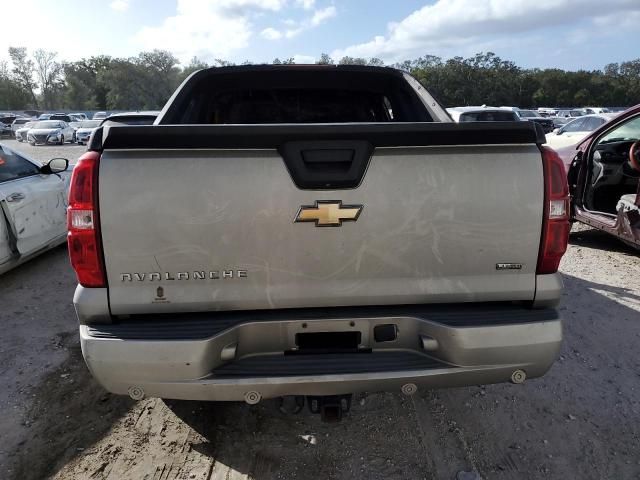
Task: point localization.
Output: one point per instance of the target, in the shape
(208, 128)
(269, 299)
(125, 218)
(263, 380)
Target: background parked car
(5, 130)
(592, 110)
(81, 116)
(85, 129)
(547, 112)
(21, 133)
(62, 116)
(5, 124)
(50, 132)
(34, 206)
(532, 116)
(559, 122)
(577, 129)
(482, 114)
(574, 113)
(99, 115)
(19, 122)
(44, 116)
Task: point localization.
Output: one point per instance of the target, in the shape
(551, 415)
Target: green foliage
(148, 80)
(487, 79)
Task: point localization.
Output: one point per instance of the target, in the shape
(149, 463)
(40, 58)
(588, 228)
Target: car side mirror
(55, 165)
(557, 131)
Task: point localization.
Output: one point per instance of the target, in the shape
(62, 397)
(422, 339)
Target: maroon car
(603, 172)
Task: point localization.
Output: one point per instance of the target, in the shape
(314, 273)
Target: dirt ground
(580, 421)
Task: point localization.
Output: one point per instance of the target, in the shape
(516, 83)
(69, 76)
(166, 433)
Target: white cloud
(119, 5)
(206, 28)
(304, 59)
(306, 4)
(459, 23)
(296, 28)
(320, 16)
(271, 33)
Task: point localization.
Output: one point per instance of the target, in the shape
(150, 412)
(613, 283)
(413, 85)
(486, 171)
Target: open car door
(33, 204)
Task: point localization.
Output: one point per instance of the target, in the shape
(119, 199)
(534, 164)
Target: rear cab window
(490, 116)
(298, 96)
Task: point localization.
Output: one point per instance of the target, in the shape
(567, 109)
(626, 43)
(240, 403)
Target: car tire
(33, 144)
(19, 140)
(74, 139)
(61, 140)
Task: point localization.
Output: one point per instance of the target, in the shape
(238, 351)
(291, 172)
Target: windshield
(576, 113)
(527, 113)
(48, 124)
(628, 131)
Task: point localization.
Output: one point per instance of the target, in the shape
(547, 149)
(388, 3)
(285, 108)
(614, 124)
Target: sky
(568, 34)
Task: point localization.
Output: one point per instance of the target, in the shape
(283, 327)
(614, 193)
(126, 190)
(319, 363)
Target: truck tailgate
(194, 228)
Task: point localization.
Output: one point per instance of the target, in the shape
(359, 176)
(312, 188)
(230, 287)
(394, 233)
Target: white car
(572, 113)
(33, 201)
(591, 110)
(482, 114)
(21, 133)
(51, 132)
(85, 129)
(19, 122)
(576, 130)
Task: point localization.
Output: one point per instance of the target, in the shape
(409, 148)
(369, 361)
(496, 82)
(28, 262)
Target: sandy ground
(580, 421)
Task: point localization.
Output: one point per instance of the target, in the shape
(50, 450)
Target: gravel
(44, 153)
(578, 421)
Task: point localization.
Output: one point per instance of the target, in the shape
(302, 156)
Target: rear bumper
(226, 356)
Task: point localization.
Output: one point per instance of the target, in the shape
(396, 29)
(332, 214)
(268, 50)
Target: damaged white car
(33, 204)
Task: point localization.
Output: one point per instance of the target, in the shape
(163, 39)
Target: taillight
(555, 222)
(85, 248)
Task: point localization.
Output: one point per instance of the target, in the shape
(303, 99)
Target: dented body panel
(32, 216)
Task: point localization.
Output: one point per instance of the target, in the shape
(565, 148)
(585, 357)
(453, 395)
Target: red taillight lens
(85, 249)
(555, 222)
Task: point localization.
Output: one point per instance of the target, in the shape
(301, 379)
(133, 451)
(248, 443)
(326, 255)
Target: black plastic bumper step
(325, 364)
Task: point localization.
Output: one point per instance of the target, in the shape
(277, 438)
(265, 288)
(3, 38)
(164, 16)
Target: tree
(23, 70)
(12, 95)
(84, 86)
(49, 73)
(352, 61)
(194, 65)
(147, 80)
(325, 59)
(160, 76)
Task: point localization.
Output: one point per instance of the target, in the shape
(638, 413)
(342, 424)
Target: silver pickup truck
(315, 231)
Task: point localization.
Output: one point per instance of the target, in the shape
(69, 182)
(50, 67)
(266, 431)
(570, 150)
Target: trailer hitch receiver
(330, 407)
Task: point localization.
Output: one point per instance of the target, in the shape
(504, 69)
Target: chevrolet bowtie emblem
(328, 213)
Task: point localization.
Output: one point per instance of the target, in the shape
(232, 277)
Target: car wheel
(33, 144)
(19, 140)
(74, 139)
(61, 139)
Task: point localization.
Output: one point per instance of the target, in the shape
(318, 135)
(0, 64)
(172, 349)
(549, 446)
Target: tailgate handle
(332, 160)
(326, 164)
